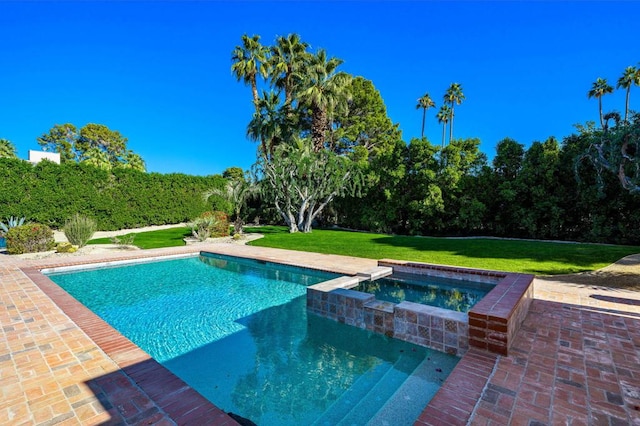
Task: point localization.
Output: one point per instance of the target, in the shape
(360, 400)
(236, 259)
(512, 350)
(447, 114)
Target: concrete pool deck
(575, 360)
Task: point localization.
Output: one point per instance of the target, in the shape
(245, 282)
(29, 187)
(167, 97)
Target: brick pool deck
(575, 360)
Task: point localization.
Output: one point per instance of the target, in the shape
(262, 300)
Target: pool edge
(177, 399)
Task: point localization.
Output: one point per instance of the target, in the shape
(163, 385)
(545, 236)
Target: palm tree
(237, 192)
(453, 96)
(630, 76)
(288, 58)
(599, 88)
(266, 125)
(7, 149)
(443, 116)
(425, 102)
(324, 92)
(248, 61)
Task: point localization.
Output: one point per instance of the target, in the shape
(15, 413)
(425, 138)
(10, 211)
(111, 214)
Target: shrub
(123, 240)
(201, 227)
(66, 248)
(220, 226)
(79, 229)
(30, 238)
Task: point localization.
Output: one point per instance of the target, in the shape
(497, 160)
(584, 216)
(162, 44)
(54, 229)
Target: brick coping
(453, 403)
(170, 393)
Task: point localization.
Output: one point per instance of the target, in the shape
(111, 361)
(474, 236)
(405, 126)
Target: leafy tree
(616, 150)
(444, 116)
(503, 200)
(460, 162)
(420, 193)
(7, 149)
(94, 144)
(453, 96)
(630, 77)
(599, 88)
(425, 102)
(366, 133)
(233, 173)
(540, 206)
(508, 159)
(365, 122)
(61, 139)
(302, 182)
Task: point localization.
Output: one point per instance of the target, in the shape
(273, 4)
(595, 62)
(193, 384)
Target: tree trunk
(626, 105)
(238, 226)
(424, 114)
(444, 128)
(600, 109)
(451, 124)
(256, 96)
(318, 128)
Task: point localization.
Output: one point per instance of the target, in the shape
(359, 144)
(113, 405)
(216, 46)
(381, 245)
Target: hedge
(50, 194)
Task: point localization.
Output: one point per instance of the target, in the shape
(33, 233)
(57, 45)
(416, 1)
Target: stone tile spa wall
(436, 328)
(491, 324)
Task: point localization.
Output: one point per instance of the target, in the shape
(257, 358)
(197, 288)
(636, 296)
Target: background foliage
(50, 194)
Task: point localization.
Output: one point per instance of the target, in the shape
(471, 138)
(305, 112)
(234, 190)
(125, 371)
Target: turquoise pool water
(238, 332)
(447, 293)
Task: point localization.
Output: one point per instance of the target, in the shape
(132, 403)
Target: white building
(38, 156)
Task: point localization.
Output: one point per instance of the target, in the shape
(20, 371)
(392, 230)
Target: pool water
(453, 294)
(238, 332)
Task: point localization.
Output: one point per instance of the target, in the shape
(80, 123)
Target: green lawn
(534, 257)
(171, 237)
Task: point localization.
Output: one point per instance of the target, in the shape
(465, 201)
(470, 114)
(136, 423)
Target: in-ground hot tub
(490, 324)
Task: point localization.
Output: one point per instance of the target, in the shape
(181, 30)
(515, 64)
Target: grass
(533, 257)
(171, 237)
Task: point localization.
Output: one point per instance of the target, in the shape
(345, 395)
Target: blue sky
(159, 72)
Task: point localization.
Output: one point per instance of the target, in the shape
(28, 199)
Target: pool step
(406, 404)
(384, 389)
(351, 397)
(375, 273)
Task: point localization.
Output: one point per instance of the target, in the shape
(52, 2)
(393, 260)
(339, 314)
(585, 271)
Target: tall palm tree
(249, 61)
(325, 90)
(286, 63)
(7, 149)
(425, 102)
(443, 116)
(453, 96)
(630, 76)
(266, 125)
(599, 88)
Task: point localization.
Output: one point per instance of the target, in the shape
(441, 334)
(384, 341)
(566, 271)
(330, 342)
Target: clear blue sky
(159, 72)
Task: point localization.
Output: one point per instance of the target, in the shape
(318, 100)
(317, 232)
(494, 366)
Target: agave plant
(12, 222)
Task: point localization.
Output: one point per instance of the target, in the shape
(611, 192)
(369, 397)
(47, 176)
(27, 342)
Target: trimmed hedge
(49, 193)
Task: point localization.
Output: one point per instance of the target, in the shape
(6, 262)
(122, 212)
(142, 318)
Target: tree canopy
(93, 144)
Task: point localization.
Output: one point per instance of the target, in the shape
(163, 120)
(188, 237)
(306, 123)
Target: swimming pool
(238, 332)
(447, 293)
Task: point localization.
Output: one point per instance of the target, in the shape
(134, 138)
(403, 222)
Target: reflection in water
(239, 334)
(455, 295)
